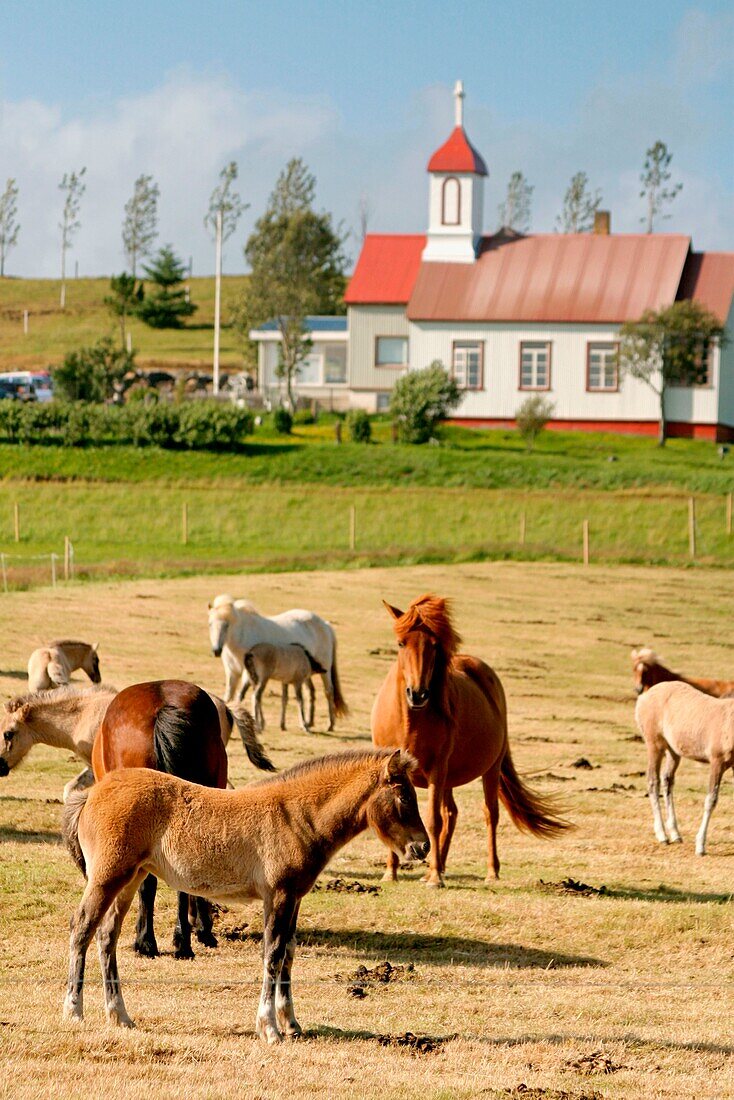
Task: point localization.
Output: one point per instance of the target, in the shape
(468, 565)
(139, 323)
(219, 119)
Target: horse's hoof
(268, 1033)
(183, 953)
(208, 939)
(72, 1013)
(147, 948)
(676, 840)
(389, 876)
(119, 1019)
(436, 884)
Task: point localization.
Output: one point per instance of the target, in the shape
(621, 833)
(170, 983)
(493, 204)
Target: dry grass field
(517, 990)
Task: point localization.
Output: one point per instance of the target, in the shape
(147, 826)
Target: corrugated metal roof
(313, 323)
(457, 155)
(709, 278)
(573, 277)
(386, 270)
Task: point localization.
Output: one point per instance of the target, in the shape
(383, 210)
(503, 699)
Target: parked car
(32, 385)
(16, 391)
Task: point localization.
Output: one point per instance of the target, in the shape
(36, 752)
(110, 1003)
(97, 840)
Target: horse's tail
(245, 725)
(177, 744)
(71, 813)
(340, 704)
(529, 811)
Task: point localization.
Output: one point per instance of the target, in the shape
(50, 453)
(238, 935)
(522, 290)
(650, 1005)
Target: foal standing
(290, 664)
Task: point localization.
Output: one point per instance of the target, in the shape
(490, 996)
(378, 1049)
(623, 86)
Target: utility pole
(217, 302)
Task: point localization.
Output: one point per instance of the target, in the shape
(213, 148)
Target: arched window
(451, 202)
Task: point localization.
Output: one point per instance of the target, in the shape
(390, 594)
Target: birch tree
(9, 227)
(140, 227)
(73, 187)
(514, 212)
(580, 205)
(655, 179)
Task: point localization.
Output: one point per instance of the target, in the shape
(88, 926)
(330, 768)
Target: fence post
(5, 573)
(692, 526)
(16, 520)
(25, 322)
(728, 513)
(352, 527)
(53, 570)
(185, 523)
(585, 530)
(67, 556)
(71, 559)
(523, 526)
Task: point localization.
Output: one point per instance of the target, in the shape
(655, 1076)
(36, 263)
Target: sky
(361, 90)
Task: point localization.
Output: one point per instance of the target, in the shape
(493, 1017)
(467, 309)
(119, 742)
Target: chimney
(602, 223)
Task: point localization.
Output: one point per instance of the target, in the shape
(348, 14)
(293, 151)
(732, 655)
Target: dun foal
(677, 720)
(270, 841)
(52, 665)
(290, 664)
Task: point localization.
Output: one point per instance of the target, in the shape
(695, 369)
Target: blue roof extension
(313, 324)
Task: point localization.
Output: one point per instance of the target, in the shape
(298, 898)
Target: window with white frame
(534, 365)
(391, 351)
(603, 371)
(335, 364)
(451, 202)
(468, 364)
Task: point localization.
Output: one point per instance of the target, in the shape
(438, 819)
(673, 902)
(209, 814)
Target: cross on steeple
(459, 102)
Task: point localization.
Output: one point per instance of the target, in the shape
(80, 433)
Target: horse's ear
(95, 647)
(210, 605)
(19, 707)
(394, 769)
(394, 611)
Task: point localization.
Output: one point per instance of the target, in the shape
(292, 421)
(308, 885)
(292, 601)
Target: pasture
(611, 977)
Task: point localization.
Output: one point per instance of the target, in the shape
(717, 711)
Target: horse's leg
(449, 814)
(278, 914)
(95, 902)
(204, 922)
(182, 931)
(667, 775)
(145, 941)
(329, 690)
(243, 686)
(391, 867)
(108, 934)
(283, 704)
(717, 770)
(490, 785)
(311, 703)
(301, 709)
(257, 707)
(228, 681)
(654, 756)
(284, 1012)
(434, 823)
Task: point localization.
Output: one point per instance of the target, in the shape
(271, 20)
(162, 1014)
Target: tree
(125, 299)
(297, 268)
(422, 398)
(89, 374)
(654, 178)
(579, 206)
(514, 212)
(167, 306)
(226, 200)
(669, 347)
(532, 417)
(140, 227)
(73, 188)
(9, 227)
(364, 214)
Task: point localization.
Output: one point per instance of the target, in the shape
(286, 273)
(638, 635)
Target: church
(511, 314)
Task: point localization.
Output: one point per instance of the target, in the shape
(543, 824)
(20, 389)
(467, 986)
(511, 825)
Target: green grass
(53, 332)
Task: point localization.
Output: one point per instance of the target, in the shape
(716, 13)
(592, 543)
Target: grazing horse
(170, 725)
(290, 664)
(648, 670)
(270, 840)
(449, 711)
(235, 627)
(52, 665)
(678, 720)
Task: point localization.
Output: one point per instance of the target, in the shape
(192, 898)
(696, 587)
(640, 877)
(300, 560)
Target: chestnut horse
(172, 726)
(648, 670)
(449, 711)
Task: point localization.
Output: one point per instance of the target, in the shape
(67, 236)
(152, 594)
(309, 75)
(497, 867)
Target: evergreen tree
(167, 305)
(9, 227)
(140, 227)
(514, 212)
(125, 299)
(654, 178)
(579, 206)
(297, 268)
(90, 373)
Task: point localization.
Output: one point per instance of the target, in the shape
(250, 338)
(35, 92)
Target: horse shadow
(14, 673)
(30, 836)
(667, 894)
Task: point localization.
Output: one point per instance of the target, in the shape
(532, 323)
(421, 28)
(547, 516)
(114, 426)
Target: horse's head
(643, 669)
(91, 665)
(221, 614)
(426, 642)
(16, 738)
(392, 810)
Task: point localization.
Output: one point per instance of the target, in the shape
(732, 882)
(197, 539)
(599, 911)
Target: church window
(451, 202)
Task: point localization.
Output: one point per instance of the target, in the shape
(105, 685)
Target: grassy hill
(54, 332)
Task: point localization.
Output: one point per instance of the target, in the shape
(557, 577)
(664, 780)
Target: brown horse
(172, 726)
(270, 841)
(449, 711)
(648, 670)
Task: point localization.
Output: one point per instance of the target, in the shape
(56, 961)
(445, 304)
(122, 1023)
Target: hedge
(193, 425)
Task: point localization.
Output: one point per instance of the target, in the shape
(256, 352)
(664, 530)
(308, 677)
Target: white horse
(235, 627)
(52, 665)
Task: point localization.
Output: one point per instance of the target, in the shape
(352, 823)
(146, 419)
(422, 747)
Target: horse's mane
(56, 695)
(224, 606)
(337, 761)
(646, 656)
(433, 613)
(66, 641)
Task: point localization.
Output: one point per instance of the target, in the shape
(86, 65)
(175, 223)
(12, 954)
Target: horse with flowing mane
(648, 670)
(235, 626)
(449, 711)
(52, 665)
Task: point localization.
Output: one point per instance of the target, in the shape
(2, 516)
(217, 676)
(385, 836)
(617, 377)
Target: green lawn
(53, 332)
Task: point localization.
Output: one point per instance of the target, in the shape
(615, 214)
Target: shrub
(421, 399)
(358, 423)
(282, 421)
(532, 417)
(89, 374)
(210, 424)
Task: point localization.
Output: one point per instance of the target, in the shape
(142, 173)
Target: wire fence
(59, 565)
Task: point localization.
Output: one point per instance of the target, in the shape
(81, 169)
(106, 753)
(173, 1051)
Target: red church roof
(386, 270)
(709, 278)
(457, 155)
